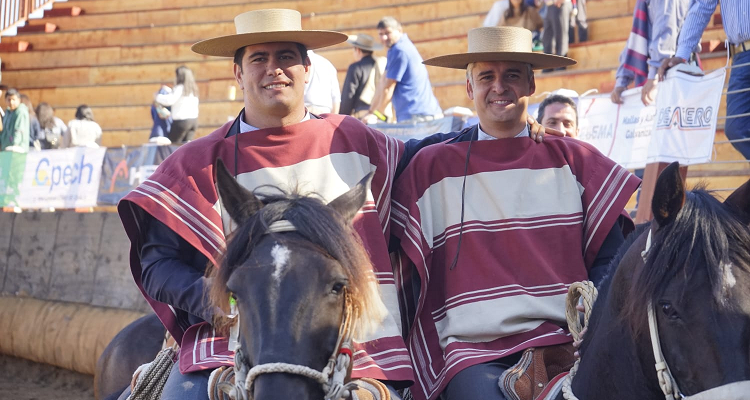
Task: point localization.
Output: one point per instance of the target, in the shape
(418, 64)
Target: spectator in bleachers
(83, 131)
(161, 118)
(559, 112)
(361, 77)
(578, 18)
(183, 103)
(734, 15)
(644, 53)
(35, 131)
(322, 90)
(522, 15)
(53, 128)
(406, 81)
(556, 23)
(15, 134)
(496, 13)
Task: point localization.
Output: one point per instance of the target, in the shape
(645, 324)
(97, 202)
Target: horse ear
(739, 201)
(238, 201)
(669, 195)
(349, 203)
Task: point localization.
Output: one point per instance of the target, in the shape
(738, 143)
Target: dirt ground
(25, 380)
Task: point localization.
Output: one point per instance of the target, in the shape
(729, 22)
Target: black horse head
(290, 285)
(696, 274)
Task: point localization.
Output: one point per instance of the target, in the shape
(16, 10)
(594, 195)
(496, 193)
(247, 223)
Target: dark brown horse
(302, 282)
(692, 263)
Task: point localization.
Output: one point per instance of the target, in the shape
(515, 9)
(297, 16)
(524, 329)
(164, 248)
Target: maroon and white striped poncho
(326, 156)
(535, 217)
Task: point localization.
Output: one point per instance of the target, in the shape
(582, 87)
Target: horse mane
(320, 225)
(705, 235)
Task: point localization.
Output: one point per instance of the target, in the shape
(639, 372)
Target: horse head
(302, 283)
(695, 274)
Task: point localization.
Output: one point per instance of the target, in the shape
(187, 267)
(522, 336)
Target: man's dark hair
(365, 52)
(300, 47)
(389, 22)
(12, 92)
(557, 98)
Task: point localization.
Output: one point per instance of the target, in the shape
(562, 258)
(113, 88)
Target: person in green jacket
(15, 134)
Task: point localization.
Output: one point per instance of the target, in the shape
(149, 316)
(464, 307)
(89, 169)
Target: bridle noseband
(331, 378)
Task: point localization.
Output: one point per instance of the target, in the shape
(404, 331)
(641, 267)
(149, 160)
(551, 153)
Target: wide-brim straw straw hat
(502, 43)
(364, 42)
(267, 26)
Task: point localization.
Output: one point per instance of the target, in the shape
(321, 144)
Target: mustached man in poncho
(492, 228)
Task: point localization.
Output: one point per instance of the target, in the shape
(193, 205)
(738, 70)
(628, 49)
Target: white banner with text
(61, 178)
(681, 126)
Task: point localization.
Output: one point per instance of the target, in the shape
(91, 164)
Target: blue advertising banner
(124, 168)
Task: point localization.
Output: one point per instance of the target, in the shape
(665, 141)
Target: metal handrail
(15, 13)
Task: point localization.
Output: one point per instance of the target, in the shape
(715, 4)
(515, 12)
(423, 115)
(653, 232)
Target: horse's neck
(615, 367)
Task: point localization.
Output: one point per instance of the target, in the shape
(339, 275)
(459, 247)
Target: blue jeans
(739, 103)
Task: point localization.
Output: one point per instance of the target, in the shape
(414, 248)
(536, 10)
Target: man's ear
(532, 85)
(469, 89)
(238, 75)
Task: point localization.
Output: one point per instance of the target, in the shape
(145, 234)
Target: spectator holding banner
(734, 19)
(653, 38)
(15, 134)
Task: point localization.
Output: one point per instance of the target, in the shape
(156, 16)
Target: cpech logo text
(65, 174)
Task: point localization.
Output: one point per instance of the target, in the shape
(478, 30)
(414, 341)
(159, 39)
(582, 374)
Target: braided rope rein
(585, 291)
(150, 378)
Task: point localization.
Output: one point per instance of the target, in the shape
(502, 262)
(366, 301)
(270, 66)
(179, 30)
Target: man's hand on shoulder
(537, 131)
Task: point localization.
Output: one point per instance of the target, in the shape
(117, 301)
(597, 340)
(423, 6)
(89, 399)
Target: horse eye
(668, 310)
(337, 288)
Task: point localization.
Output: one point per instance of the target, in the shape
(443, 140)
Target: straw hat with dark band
(267, 26)
(503, 43)
(364, 42)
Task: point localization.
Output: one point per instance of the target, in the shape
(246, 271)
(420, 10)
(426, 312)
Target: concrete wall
(68, 256)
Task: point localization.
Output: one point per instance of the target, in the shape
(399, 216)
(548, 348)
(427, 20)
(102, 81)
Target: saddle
(538, 374)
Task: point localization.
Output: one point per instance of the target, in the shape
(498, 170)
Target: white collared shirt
(245, 127)
(484, 136)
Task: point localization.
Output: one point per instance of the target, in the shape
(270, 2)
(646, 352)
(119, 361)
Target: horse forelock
(705, 236)
(322, 227)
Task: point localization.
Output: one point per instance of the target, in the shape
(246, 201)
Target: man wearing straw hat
(173, 219)
(362, 76)
(493, 229)
(174, 222)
